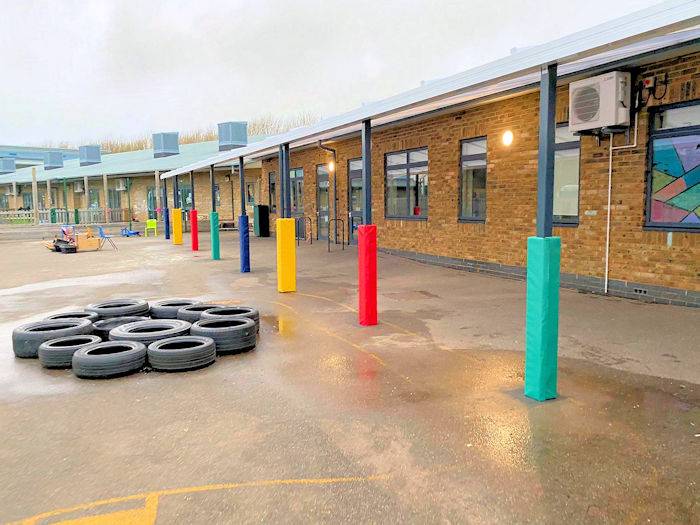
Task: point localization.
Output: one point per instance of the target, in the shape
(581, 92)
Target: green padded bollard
(214, 232)
(542, 317)
(76, 216)
(52, 215)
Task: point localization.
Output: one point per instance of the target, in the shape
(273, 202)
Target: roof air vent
(89, 155)
(165, 144)
(53, 160)
(7, 166)
(232, 135)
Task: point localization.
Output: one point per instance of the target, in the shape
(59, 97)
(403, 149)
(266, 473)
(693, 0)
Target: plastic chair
(151, 224)
(105, 238)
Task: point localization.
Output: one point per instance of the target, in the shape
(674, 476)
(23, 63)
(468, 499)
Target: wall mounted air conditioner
(121, 185)
(600, 102)
(78, 187)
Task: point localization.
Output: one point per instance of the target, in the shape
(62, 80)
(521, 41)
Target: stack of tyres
(109, 359)
(27, 338)
(119, 308)
(232, 335)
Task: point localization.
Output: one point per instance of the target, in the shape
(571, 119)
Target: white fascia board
(660, 19)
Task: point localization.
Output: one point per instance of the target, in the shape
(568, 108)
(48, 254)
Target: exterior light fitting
(507, 137)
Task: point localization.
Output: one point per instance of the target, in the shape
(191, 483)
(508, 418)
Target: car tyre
(109, 359)
(187, 352)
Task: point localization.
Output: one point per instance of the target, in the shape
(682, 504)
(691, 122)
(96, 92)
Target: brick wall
(637, 255)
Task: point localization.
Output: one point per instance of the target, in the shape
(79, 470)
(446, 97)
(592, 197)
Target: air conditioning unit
(78, 186)
(121, 185)
(600, 102)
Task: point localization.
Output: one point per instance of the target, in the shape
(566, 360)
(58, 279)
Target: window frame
(462, 158)
(562, 147)
(272, 202)
(294, 208)
(407, 167)
(648, 179)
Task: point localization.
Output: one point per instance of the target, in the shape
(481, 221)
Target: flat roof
(577, 50)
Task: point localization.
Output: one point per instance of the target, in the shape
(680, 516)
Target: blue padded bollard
(244, 239)
(166, 222)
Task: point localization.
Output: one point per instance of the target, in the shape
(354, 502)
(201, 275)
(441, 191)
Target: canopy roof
(605, 43)
(125, 163)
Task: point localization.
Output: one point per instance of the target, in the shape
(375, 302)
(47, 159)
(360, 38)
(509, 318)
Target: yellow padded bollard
(177, 226)
(286, 256)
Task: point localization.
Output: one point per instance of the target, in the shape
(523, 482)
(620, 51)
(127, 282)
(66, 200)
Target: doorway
(322, 201)
(354, 198)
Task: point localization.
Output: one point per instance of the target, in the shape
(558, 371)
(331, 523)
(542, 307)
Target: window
(94, 198)
(567, 155)
(114, 199)
(472, 184)
(272, 192)
(297, 186)
(406, 184)
(4, 202)
(250, 193)
(27, 201)
(184, 196)
(673, 191)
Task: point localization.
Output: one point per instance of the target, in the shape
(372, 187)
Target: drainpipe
(335, 190)
(610, 170)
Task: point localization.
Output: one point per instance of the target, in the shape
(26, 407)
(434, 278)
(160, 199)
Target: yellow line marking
(152, 497)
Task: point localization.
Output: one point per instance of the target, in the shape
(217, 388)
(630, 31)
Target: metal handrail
(342, 232)
(304, 218)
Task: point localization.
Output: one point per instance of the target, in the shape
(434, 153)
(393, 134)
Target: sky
(79, 71)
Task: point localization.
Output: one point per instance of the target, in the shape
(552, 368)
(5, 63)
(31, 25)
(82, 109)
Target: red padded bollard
(367, 278)
(194, 230)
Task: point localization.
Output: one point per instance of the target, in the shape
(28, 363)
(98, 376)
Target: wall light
(507, 138)
(331, 166)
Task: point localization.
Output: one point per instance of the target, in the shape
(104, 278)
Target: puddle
(109, 279)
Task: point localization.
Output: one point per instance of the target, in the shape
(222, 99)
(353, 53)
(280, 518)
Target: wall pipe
(610, 170)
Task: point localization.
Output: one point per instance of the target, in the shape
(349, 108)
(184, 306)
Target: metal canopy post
(545, 157)
(214, 219)
(241, 176)
(287, 181)
(176, 193)
(367, 238)
(166, 212)
(243, 230)
(282, 179)
(543, 260)
(194, 225)
(366, 172)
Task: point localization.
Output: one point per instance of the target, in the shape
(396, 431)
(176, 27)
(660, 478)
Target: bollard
(52, 215)
(166, 222)
(177, 226)
(214, 231)
(244, 241)
(286, 256)
(367, 273)
(194, 230)
(76, 216)
(542, 317)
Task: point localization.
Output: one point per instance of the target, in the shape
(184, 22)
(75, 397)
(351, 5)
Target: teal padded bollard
(76, 216)
(542, 317)
(214, 232)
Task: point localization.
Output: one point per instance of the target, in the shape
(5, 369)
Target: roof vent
(53, 160)
(232, 135)
(89, 155)
(7, 165)
(166, 144)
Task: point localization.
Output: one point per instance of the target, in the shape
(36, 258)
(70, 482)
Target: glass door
(297, 197)
(354, 198)
(322, 201)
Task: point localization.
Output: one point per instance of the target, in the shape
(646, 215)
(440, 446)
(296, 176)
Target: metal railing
(342, 232)
(303, 220)
(63, 216)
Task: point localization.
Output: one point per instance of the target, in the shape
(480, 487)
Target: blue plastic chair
(105, 238)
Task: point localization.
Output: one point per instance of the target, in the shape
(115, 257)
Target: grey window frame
(462, 159)
(407, 167)
(562, 146)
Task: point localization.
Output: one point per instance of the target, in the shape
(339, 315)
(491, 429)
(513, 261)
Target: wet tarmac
(420, 419)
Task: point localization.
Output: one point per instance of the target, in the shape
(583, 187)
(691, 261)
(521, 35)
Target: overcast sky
(78, 71)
